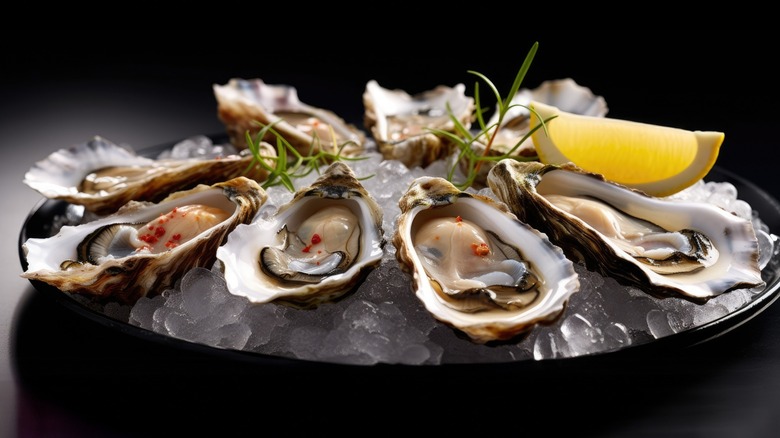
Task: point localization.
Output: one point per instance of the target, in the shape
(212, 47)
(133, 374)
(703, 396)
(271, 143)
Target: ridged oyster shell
(333, 223)
(565, 94)
(494, 278)
(67, 262)
(242, 104)
(103, 176)
(696, 250)
(400, 122)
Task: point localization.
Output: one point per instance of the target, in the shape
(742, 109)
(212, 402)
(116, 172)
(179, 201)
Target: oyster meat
(666, 247)
(476, 267)
(565, 94)
(103, 176)
(401, 123)
(243, 104)
(143, 247)
(314, 249)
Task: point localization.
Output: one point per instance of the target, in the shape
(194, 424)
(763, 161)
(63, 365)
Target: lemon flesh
(658, 160)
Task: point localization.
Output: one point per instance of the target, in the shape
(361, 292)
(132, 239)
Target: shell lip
(560, 280)
(737, 265)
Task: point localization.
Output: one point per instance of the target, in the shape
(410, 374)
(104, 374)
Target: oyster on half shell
(143, 248)
(103, 176)
(313, 249)
(242, 104)
(476, 267)
(666, 247)
(400, 123)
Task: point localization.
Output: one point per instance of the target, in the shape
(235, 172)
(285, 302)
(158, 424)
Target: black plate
(39, 224)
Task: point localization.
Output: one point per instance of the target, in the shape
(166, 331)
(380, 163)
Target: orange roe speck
(480, 249)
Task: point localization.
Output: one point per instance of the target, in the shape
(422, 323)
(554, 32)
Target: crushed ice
(383, 322)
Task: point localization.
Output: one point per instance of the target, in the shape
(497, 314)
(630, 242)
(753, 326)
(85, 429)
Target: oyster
(103, 176)
(565, 94)
(401, 123)
(144, 247)
(475, 266)
(666, 247)
(242, 104)
(314, 249)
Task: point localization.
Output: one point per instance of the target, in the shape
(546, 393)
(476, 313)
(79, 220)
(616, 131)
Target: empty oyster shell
(401, 123)
(242, 104)
(103, 176)
(475, 266)
(314, 249)
(565, 94)
(144, 247)
(666, 247)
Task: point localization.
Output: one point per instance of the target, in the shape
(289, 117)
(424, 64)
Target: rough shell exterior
(242, 104)
(733, 237)
(400, 122)
(338, 185)
(558, 279)
(129, 278)
(60, 175)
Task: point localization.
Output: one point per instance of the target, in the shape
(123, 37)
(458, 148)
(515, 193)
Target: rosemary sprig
(465, 139)
(289, 163)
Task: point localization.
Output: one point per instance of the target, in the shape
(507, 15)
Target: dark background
(722, 81)
(153, 87)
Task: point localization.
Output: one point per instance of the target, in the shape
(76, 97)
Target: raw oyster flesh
(103, 176)
(403, 124)
(144, 247)
(247, 105)
(666, 247)
(476, 267)
(314, 249)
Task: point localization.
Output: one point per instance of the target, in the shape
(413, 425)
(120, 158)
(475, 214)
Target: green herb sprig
(289, 163)
(464, 139)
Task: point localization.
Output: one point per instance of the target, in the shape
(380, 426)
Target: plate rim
(683, 339)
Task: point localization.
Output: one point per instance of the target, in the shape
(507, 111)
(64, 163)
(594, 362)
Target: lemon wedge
(658, 160)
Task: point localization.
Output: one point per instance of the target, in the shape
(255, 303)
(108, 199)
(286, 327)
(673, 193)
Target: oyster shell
(314, 249)
(666, 247)
(242, 104)
(400, 122)
(103, 176)
(565, 94)
(475, 266)
(144, 247)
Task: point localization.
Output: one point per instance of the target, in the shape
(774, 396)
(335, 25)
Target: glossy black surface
(73, 376)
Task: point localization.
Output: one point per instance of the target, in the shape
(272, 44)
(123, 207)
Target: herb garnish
(465, 139)
(289, 163)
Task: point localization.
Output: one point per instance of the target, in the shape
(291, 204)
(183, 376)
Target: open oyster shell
(475, 266)
(666, 247)
(144, 247)
(242, 104)
(314, 249)
(103, 176)
(401, 123)
(565, 94)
